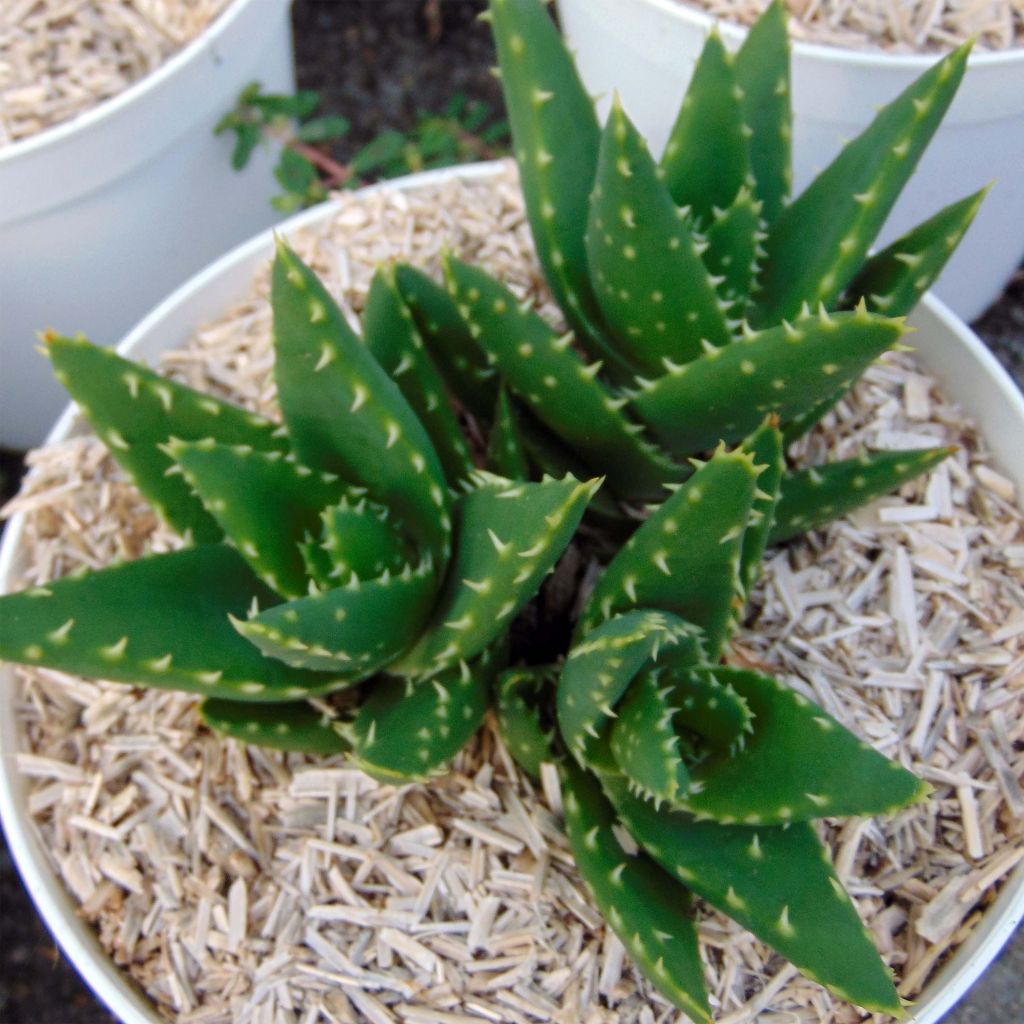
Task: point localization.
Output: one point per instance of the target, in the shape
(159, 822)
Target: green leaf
(893, 280)
(299, 106)
(645, 743)
(506, 454)
(821, 239)
(733, 249)
(777, 882)
(508, 536)
(462, 363)
(797, 763)
(647, 909)
(391, 335)
(645, 262)
(323, 129)
(516, 697)
(706, 159)
(294, 172)
(557, 387)
(766, 445)
(353, 630)
(555, 138)
(247, 138)
(762, 73)
(362, 539)
(685, 558)
(408, 731)
(297, 727)
(345, 414)
(813, 497)
(380, 151)
(726, 394)
(264, 502)
(601, 666)
(161, 621)
(136, 412)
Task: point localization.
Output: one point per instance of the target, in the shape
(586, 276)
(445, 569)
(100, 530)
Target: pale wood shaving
(243, 885)
(898, 25)
(59, 58)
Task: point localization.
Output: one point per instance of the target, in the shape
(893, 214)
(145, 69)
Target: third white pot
(646, 50)
(103, 215)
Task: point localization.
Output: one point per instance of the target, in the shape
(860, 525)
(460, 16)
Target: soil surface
(380, 62)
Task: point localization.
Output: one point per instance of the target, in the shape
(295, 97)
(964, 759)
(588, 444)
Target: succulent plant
(356, 546)
(715, 772)
(699, 298)
(353, 544)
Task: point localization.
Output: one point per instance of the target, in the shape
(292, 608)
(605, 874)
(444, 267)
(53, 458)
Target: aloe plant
(352, 545)
(716, 772)
(698, 296)
(356, 546)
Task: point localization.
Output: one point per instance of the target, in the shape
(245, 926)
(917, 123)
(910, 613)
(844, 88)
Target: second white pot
(968, 372)
(646, 50)
(103, 215)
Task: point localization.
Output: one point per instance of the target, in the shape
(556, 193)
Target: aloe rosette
(353, 545)
(698, 297)
(715, 772)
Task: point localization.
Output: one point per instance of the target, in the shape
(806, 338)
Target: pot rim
(114, 986)
(830, 53)
(177, 64)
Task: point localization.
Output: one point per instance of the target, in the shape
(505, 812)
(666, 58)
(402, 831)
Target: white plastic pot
(970, 374)
(646, 50)
(100, 217)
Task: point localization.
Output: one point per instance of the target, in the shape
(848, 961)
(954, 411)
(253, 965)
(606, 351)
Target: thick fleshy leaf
(353, 630)
(797, 763)
(264, 502)
(766, 445)
(555, 138)
(506, 453)
(160, 621)
(892, 280)
(296, 727)
(392, 336)
(601, 666)
(820, 240)
(726, 394)
(517, 694)
(713, 710)
(408, 730)
(508, 536)
(462, 363)
(360, 538)
(733, 241)
(558, 387)
(807, 421)
(685, 558)
(644, 740)
(762, 73)
(136, 412)
(647, 909)
(645, 263)
(813, 497)
(345, 414)
(776, 881)
(706, 159)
